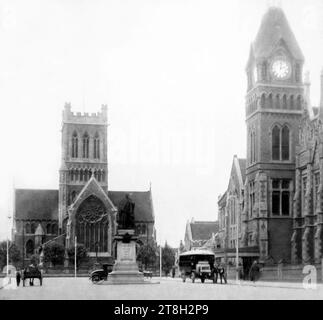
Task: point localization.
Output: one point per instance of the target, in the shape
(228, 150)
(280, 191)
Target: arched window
(86, 145)
(72, 174)
(277, 102)
(143, 229)
(85, 172)
(48, 229)
(270, 101)
(33, 227)
(29, 248)
(81, 175)
(96, 153)
(263, 101)
(76, 174)
(284, 101)
(299, 103)
(291, 102)
(264, 71)
(74, 145)
(28, 228)
(285, 143)
(54, 228)
(276, 143)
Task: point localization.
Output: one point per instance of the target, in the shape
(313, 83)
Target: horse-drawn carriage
(31, 272)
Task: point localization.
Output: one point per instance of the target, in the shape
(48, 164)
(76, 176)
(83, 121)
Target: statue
(127, 215)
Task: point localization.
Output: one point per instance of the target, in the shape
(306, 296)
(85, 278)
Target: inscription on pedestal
(126, 251)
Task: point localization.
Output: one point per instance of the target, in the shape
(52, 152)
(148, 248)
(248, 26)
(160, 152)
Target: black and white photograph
(161, 150)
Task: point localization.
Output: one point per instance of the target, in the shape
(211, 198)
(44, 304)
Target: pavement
(162, 289)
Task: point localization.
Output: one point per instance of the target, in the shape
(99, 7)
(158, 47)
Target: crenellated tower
(84, 153)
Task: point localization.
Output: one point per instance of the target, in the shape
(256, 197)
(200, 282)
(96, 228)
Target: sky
(172, 73)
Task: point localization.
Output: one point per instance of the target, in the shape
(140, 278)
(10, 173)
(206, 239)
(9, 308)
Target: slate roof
(202, 230)
(274, 27)
(43, 204)
(242, 164)
(36, 204)
(143, 203)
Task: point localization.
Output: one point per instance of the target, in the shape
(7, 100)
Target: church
(83, 207)
(280, 208)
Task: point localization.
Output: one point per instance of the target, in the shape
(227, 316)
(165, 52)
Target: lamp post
(9, 217)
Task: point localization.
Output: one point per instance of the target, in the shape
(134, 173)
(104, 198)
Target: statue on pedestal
(127, 213)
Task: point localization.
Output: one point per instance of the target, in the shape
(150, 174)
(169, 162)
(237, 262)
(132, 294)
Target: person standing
(222, 273)
(18, 277)
(216, 273)
(254, 271)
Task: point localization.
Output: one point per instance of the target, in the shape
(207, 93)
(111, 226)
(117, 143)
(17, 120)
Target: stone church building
(83, 206)
(281, 198)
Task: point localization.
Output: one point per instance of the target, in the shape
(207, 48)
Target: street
(167, 288)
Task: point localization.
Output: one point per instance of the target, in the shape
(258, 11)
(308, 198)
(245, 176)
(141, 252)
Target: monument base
(125, 272)
(125, 269)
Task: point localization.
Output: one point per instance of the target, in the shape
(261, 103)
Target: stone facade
(83, 208)
(283, 210)
(274, 107)
(307, 240)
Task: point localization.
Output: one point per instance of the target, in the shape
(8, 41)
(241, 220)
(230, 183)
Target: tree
(81, 255)
(168, 258)
(54, 253)
(147, 255)
(14, 254)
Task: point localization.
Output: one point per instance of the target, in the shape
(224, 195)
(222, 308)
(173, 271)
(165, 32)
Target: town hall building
(281, 208)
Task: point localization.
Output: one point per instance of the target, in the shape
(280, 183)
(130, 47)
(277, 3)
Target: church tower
(274, 106)
(84, 154)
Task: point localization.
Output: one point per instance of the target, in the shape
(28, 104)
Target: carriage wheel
(96, 279)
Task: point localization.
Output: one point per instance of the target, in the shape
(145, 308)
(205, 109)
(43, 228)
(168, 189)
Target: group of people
(252, 275)
(220, 270)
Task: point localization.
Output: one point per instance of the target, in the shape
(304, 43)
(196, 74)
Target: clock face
(280, 69)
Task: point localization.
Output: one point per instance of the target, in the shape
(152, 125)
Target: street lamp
(9, 217)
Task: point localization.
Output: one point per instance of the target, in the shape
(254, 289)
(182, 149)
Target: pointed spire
(273, 29)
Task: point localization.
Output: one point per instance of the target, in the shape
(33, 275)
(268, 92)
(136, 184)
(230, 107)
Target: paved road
(173, 289)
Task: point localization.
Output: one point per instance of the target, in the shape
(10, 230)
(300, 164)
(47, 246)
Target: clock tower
(274, 106)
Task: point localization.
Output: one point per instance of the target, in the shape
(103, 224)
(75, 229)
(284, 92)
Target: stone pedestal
(125, 269)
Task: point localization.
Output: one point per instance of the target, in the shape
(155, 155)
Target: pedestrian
(18, 277)
(254, 271)
(216, 273)
(222, 273)
(173, 272)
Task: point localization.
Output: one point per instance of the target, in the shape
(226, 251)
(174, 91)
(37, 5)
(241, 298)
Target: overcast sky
(173, 75)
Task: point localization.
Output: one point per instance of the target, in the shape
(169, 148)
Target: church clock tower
(274, 106)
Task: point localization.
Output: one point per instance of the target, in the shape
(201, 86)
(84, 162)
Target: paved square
(169, 289)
